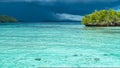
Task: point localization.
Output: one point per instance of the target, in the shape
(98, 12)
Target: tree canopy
(4, 18)
(102, 18)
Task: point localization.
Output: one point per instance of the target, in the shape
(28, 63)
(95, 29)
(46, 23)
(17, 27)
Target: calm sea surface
(34, 45)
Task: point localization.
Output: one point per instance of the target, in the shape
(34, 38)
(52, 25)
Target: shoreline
(102, 25)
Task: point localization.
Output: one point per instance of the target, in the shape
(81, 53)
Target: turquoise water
(34, 45)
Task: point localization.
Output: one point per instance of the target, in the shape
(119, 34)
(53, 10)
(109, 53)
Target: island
(102, 18)
(5, 18)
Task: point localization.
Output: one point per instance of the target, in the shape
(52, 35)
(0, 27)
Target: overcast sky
(54, 9)
(85, 1)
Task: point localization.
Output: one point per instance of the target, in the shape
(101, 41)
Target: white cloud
(117, 8)
(65, 16)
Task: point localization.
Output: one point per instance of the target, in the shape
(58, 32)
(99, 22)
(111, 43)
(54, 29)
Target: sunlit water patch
(34, 45)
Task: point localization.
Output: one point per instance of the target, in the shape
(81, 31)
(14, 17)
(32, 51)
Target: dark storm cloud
(63, 0)
(50, 10)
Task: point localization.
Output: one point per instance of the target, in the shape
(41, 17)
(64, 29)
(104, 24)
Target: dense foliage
(4, 18)
(102, 18)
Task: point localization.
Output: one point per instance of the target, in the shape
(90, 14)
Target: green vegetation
(4, 18)
(102, 18)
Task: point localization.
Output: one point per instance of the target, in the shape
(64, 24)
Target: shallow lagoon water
(34, 45)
